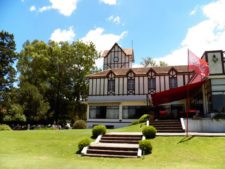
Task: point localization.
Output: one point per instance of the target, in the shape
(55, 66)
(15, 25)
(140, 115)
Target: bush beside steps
(98, 130)
(149, 132)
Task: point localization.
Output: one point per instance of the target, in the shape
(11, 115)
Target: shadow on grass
(185, 139)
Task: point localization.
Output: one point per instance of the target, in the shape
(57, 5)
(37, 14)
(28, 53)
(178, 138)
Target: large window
(104, 112)
(111, 84)
(133, 112)
(218, 103)
(172, 79)
(130, 83)
(151, 82)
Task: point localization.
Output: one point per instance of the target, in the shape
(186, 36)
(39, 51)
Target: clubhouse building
(120, 94)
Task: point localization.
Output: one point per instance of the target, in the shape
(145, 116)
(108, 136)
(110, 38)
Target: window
(104, 112)
(130, 83)
(133, 112)
(151, 82)
(111, 84)
(218, 103)
(172, 79)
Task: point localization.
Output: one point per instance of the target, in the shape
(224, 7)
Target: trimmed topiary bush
(134, 122)
(79, 124)
(98, 130)
(143, 118)
(83, 143)
(5, 127)
(145, 146)
(149, 132)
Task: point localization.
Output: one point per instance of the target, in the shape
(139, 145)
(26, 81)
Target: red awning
(175, 93)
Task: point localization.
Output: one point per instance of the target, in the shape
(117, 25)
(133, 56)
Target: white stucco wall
(205, 125)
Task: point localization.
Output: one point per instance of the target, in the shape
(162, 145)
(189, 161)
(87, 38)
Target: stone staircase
(167, 126)
(118, 145)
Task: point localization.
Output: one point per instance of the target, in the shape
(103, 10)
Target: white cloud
(114, 19)
(109, 2)
(102, 41)
(32, 8)
(208, 34)
(193, 12)
(63, 35)
(44, 8)
(99, 63)
(64, 7)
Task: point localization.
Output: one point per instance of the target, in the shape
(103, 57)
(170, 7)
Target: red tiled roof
(139, 71)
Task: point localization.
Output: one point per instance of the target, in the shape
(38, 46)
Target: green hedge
(145, 146)
(5, 127)
(83, 143)
(79, 124)
(98, 130)
(149, 132)
(143, 118)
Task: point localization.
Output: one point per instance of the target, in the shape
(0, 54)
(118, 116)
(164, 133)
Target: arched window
(130, 83)
(151, 82)
(111, 84)
(172, 78)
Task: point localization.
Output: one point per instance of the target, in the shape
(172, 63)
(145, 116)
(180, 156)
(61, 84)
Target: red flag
(200, 67)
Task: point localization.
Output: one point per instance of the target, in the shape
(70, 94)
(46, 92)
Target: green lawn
(49, 149)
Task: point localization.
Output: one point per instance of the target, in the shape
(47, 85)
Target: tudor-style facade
(119, 93)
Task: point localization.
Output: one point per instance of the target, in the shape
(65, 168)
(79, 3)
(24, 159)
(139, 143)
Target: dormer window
(116, 59)
(151, 82)
(130, 83)
(111, 84)
(172, 79)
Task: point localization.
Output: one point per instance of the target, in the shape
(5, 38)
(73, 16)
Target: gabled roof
(128, 52)
(139, 71)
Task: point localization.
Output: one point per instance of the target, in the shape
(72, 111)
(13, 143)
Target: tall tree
(7, 72)
(162, 63)
(148, 62)
(7, 58)
(58, 71)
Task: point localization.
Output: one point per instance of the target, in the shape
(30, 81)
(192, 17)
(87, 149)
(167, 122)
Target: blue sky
(160, 29)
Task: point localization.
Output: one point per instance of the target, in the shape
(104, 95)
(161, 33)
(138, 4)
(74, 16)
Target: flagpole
(187, 100)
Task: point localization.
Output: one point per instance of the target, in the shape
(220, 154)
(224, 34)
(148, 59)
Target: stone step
(112, 152)
(119, 148)
(110, 156)
(121, 138)
(120, 141)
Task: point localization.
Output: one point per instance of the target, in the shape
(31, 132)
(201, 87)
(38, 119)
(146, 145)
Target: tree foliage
(162, 63)
(7, 58)
(7, 71)
(148, 62)
(57, 72)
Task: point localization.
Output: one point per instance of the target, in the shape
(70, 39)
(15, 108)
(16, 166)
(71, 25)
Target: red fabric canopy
(175, 93)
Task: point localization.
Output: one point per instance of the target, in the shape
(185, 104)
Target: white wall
(205, 125)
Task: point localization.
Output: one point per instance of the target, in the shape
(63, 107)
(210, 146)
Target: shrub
(219, 116)
(98, 130)
(83, 143)
(4, 127)
(145, 146)
(135, 122)
(143, 118)
(149, 131)
(79, 124)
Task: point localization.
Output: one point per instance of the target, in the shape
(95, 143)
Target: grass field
(55, 149)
